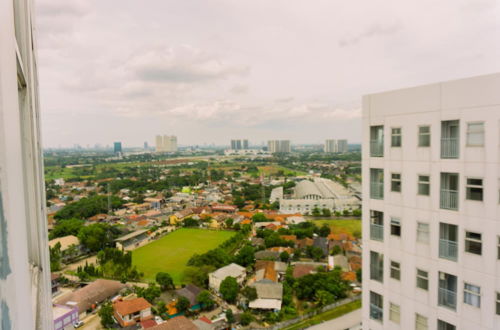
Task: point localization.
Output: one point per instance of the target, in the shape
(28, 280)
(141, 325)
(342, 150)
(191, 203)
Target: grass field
(171, 252)
(328, 315)
(341, 226)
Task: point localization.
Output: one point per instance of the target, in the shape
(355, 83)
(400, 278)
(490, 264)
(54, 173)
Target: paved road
(347, 321)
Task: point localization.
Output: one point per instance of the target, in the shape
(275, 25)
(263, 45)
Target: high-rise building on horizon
(241, 144)
(25, 290)
(279, 146)
(117, 147)
(166, 143)
(431, 239)
(335, 146)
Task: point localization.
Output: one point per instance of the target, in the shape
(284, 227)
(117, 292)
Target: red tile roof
(126, 307)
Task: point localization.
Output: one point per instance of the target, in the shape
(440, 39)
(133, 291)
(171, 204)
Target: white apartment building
(431, 225)
(279, 146)
(25, 291)
(239, 144)
(335, 146)
(166, 143)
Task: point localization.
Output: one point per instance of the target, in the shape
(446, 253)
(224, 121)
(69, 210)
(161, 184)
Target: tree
(356, 213)
(346, 213)
(106, 315)
(198, 275)
(336, 250)
(326, 213)
(324, 230)
(55, 257)
(246, 256)
(229, 289)
(250, 293)
(284, 256)
(246, 318)
(229, 222)
(316, 212)
(150, 293)
(65, 228)
(359, 275)
(190, 222)
(259, 217)
(182, 304)
(95, 237)
(324, 298)
(229, 316)
(204, 298)
(165, 281)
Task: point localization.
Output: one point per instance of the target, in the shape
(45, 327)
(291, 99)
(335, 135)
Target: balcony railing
(377, 190)
(448, 249)
(449, 199)
(376, 313)
(376, 232)
(447, 298)
(449, 147)
(376, 148)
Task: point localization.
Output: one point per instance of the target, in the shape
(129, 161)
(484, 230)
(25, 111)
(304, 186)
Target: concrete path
(350, 321)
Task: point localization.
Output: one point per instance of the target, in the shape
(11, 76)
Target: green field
(342, 225)
(171, 253)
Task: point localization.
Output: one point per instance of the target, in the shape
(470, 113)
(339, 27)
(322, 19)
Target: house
(267, 255)
(224, 208)
(291, 238)
(154, 203)
(131, 239)
(300, 270)
(64, 316)
(65, 241)
(233, 270)
(257, 241)
(176, 323)
(204, 323)
(322, 243)
(190, 292)
(89, 296)
(304, 242)
(295, 220)
(129, 312)
(269, 296)
(269, 270)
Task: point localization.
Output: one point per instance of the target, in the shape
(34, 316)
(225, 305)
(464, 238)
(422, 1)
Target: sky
(209, 71)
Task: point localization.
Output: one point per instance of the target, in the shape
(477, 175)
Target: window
(475, 134)
(447, 290)
(377, 225)
(422, 279)
(394, 313)
(442, 325)
(474, 189)
(395, 227)
(423, 232)
(449, 191)
(424, 185)
(376, 183)
(448, 241)
(396, 182)
(376, 306)
(473, 242)
(377, 141)
(420, 322)
(376, 266)
(450, 138)
(395, 270)
(472, 295)
(498, 247)
(498, 304)
(396, 137)
(424, 136)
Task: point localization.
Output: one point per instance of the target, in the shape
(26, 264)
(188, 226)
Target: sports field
(171, 253)
(341, 225)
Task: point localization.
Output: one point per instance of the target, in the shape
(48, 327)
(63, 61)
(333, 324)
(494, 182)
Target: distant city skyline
(298, 74)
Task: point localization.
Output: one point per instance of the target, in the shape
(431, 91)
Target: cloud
(374, 30)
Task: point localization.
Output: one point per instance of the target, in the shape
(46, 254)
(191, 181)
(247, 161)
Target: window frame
(480, 132)
(471, 294)
(421, 322)
(469, 186)
(420, 232)
(497, 303)
(395, 313)
(395, 223)
(426, 135)
(473, 240)
(395, 270)
(422, 277)
(395, 182)
(396, 138)
(422, 183)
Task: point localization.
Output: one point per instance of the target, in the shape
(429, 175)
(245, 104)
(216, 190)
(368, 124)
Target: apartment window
(422, 232)
(424, 185)
(395, 227)
(472, 295)
(473, 243)
(448, 241)
(396, 137)
(449, 191)
(450, 139)
(376, 306)
(497, 304)
(442, 325)
(424, 136)
(475, 134)
(376, 183)
(422, 279)
(498, 247)
(377, 225)
(421, 322)
(377, 141)
(447, 291)
(395, 270)
(474, 189)
(394, 313)
(376, 266)
(396, 182)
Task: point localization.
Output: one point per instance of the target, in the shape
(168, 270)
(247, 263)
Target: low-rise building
(131, 239)
(269, 296)
(233, 270)
(64, 316)
(130, 312)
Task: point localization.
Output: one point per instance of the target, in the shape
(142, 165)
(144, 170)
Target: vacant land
(171, 253)
(341, 226)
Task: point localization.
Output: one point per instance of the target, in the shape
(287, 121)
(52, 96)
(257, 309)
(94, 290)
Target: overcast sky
(211, 70)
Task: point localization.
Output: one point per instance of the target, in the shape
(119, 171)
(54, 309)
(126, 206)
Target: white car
(77, 324)
(158, 320)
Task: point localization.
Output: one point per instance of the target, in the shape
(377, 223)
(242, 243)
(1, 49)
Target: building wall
(467, 100)
(25, 287)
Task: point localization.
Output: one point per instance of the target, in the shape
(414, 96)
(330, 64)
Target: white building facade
(279, 146)
(166, 143)
(431, 226)
(25, 290)
(335, 146)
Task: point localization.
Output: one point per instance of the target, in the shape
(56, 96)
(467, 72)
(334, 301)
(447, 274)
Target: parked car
(77, 324)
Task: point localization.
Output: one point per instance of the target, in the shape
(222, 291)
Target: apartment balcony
(376, 232)
(449, 148)
(449, 199)
(447, 298)
(377, 190)
(377, 148)
(448, 249)
(376, 313)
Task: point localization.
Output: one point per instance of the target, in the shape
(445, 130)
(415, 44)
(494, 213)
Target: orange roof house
(292, 238)
(129, 312)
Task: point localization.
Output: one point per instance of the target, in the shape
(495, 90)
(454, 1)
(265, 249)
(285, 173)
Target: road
(347, 321)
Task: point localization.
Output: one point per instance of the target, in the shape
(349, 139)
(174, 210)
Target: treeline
(88, 207)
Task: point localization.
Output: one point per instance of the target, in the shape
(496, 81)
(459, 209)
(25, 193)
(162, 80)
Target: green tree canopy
(182, 304)
(229, 289)
(205, 299)
(165, 281)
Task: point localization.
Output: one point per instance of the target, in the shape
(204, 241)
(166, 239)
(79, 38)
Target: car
(158, 320)
(77, 324)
